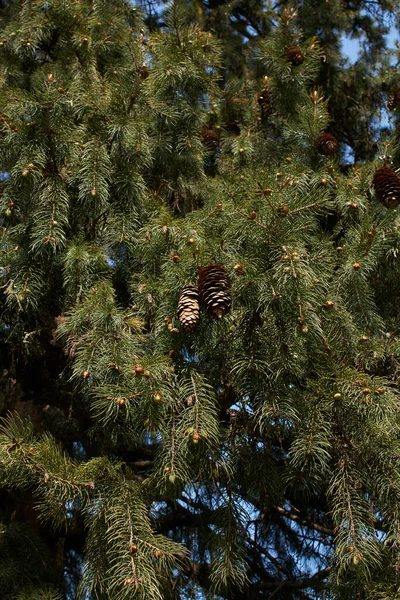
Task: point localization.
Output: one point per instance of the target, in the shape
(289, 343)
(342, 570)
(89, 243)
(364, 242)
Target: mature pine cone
(387, 187)
(295, 55)
(209, 137)
(264, 100)
(394, 99)
(327, 144)
(213, 289)
(188, 308)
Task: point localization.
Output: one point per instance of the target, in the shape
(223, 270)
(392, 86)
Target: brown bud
(238, 267)
(113, 366)
(356, 266)
(328, 305)
(139, 370)
(176, 258)
(133, 549)
(196, 438)
(253, 215)
(121, 401)
(366, 391)
(379, 391)
(85, 374)
(157, 398)
(158, 553)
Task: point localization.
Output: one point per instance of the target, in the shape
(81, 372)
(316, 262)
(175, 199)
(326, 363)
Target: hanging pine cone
(295, 55)
(188, 308)
(264, 100)
(394, 99)
(387, 187)
(209, 137)
(327, 144)
(213, 289)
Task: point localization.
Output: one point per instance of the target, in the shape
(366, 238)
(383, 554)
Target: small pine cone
(394, 99)
(209, 137)
(327, 144)
(264, 100)
(188, 308)
(213, 289)
(387, 187)
(295, 55)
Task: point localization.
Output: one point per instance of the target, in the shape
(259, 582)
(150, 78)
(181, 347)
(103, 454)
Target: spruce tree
(199, 324)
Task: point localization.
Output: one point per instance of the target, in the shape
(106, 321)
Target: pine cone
(394, 99)
(387, 187)
(327, 144)
(295, 55)
(209, 137)
(213, 289)
(188, 308)
(264, 100)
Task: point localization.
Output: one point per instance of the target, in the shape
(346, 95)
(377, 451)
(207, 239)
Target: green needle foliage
(245, 447)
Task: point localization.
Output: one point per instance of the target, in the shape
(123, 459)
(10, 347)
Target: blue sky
(350, 47)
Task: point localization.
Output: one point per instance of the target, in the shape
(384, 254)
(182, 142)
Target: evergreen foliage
(142, 455)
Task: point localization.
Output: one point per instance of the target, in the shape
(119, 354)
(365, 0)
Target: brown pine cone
(387, 187)
(188, 308)
(264, 100)
(327, 144)
(209, 137)
(213, 290)
(295, 56)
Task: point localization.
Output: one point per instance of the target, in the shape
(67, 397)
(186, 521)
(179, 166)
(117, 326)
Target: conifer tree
(199, 324)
